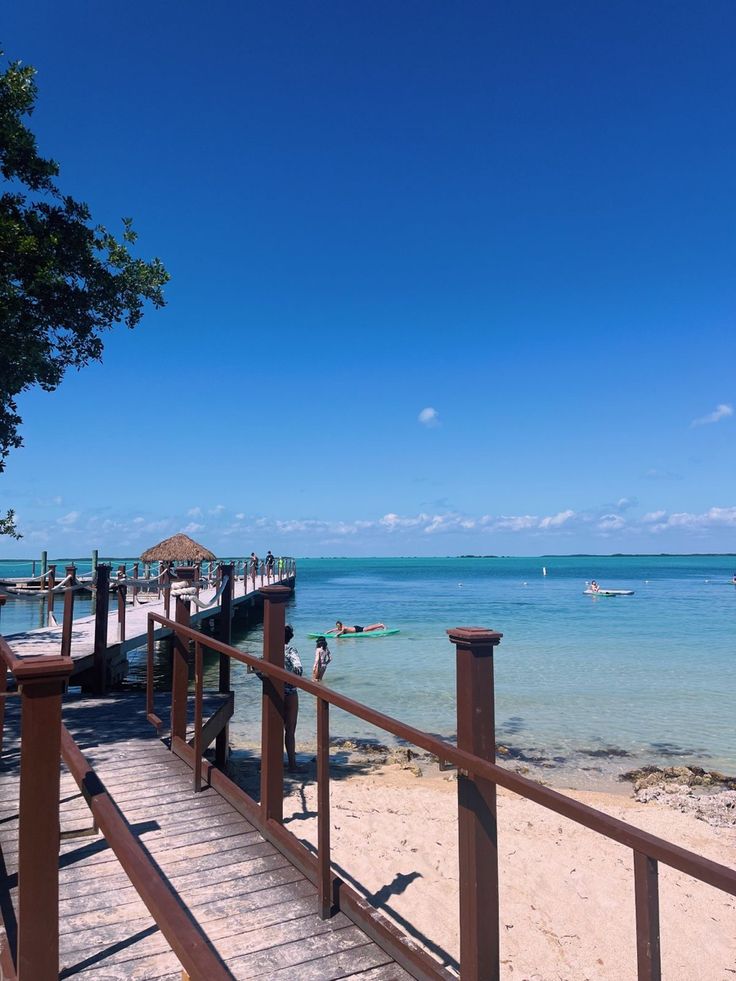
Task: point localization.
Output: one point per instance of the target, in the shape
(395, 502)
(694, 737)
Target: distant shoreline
(544, 555)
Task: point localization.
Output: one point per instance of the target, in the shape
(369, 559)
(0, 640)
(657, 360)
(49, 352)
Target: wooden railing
(41, 683)
(478, 778)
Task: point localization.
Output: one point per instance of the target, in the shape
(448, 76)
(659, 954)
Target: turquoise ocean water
(580, 680)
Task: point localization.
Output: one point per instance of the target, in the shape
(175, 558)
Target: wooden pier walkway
(259, 913)
(48, 640)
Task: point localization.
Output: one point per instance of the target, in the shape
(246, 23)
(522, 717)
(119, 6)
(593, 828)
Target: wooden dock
(258, 912)
(48, 640)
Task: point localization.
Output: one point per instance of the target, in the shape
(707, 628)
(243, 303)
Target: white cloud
(652, 516)
(712, 518)
(68, 519)
(654, 474)
(722, 411)
(194, 512)
(429, 417)
(611, 522)
(521, 522)
(217, 509)
(557, 520)
(192, 528)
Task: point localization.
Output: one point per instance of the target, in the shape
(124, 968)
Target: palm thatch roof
(178, 548)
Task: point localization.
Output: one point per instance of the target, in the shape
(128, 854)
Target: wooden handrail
(181, 931)
(713, 873)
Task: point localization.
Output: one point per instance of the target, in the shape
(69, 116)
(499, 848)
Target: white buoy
(544, 570)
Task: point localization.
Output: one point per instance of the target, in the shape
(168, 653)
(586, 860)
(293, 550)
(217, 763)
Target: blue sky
(519, 216)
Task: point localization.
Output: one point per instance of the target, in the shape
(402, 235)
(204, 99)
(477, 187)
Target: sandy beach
(567, 899)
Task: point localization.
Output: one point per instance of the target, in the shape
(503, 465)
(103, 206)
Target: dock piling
(66, 627)
(50, 583)
(102, 603)
(121, 603)
(180, 666)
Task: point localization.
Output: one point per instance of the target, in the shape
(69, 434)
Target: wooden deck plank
(257, 909)
(298, 953)
(344, 964)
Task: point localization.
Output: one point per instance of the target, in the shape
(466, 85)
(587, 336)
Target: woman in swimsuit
(340, 629)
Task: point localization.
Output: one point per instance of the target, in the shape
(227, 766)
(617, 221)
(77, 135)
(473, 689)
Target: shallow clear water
(650, 675)
(578, 678)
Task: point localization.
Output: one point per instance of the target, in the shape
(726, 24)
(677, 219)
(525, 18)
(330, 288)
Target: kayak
(608, 592)
(363, 633)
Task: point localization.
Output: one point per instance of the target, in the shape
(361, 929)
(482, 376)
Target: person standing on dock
(253, 567)
(269, 564)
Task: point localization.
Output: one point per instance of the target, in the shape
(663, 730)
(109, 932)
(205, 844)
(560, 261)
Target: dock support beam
(272, 726)
(477, 831)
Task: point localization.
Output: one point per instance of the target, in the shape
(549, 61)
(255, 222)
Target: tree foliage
(7, 525)
(63, 279)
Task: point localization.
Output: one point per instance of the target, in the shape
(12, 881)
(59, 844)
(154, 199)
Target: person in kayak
(339, 629)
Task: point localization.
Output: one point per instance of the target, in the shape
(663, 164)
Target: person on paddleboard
(339, 629)
(594, 587)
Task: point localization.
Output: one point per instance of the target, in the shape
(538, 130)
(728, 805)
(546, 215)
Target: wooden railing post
(224, 633)
(121, 604)
(272, 725)
(477, 831)
(323, 808)
(51, 583)
(42, 682)
(167, 590)
(135, 576)
(646, 894)
(102, 604)
(180, 665)
(66, 627)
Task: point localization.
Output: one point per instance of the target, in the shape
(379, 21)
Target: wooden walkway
(260, 914)
(47, 640)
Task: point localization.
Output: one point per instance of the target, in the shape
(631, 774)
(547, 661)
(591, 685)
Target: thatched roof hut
(178, 548)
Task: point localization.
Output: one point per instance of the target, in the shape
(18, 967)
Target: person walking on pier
(253, 567)
(269, 565)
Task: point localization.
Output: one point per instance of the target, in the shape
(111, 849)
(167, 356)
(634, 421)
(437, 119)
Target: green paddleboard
(363, 633)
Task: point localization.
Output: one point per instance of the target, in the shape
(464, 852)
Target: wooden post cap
(276, 594)
(474, 637)
(40, 667)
